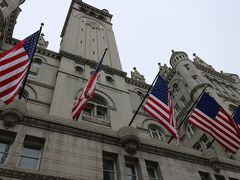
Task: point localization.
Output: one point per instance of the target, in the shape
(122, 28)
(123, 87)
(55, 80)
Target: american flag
(236, 116)
(14, 65)
(159, 106)
(87, 91)
(210, 117)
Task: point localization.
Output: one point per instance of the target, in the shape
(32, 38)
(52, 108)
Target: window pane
(28, 163)
(31, 152)
(151, 173)
(108, 175)
(3, 157)
(108, 165)
(4, 147)
(130, 170)
(131, 178)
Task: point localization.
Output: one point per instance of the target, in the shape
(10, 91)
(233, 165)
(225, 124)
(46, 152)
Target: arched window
(156, 133)
(79, 70)
(191, 130)
(97, 107)
(109, 80)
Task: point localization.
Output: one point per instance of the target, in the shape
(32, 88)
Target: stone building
(38, 139)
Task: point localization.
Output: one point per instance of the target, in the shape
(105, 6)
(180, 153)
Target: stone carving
(129, 139)
(93, 24)
(41, 42)
(137, 76)
(13, 113)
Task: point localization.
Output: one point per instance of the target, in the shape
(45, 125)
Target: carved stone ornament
(136, 75)
(42, 42)
(13, 113)
(129, 139)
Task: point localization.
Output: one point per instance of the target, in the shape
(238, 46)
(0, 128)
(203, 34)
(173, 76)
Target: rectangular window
(219, 177)
(108, 169)
(131, 172)
(204, 175)
(6, 139)
(186, 66)
(198, 146)
(31, 152)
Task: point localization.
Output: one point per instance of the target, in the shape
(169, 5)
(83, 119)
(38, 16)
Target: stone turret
(177, 56)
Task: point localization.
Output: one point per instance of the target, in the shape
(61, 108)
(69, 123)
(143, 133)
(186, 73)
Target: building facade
(38, 139)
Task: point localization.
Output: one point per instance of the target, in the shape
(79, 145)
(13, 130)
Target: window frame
(154, 171)
(154, 129)
(33, 143)
(134, 168)
(114, 167)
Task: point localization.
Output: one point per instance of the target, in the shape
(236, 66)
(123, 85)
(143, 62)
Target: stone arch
(40, 57)
(32, 93)
(108, 99)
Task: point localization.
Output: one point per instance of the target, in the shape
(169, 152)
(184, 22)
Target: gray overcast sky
(147, 31)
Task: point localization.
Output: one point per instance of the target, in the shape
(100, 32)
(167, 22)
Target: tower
(87, 32)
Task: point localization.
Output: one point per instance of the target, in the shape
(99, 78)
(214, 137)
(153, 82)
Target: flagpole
(169, 141)
(144, 99)
(213, 138)
(25, 79)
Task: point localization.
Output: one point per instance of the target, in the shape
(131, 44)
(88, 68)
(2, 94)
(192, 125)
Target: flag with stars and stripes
(210, 117)
(159, 106)
(236, 116)
(14, 65)
(87, 92)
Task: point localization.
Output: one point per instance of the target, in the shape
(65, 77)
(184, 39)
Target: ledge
(92, 63)
(106, 135)
(21, 174)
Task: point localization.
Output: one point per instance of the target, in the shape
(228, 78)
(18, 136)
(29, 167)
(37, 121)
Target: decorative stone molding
(129, 139)
(13, 113)
(118, 141)
(137, 76)
(42, 42)
(213, 72)
(21, 174)
(137, 83)
(81, 60)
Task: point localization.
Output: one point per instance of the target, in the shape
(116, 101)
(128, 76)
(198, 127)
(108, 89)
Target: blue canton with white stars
(160, 90)
(208, 106)
(31, 43)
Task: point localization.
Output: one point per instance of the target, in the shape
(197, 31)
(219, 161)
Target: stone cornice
(213, 72)
(62, 128)
(146, 146)
(101, 12)
(23, 174)
(47, 52)
(91, 63)
(39, 50)
(29, 81)
(137, 83)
